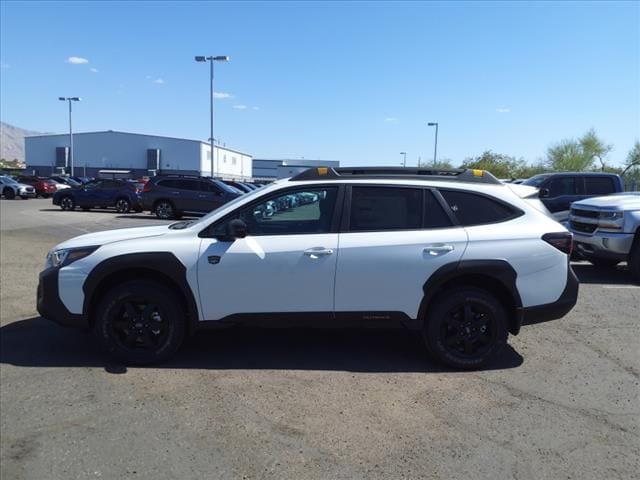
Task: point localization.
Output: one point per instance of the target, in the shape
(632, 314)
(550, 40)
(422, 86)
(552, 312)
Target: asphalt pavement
(563, 402)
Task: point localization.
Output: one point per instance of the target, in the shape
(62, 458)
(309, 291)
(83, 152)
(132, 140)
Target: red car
(45, 187)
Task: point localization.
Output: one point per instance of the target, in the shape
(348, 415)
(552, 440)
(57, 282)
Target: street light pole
(211, 59)
(435, 147)
(69, 100)
(404, 161)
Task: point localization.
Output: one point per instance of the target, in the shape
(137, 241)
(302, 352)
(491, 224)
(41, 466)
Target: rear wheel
(164, 209)
(9, 194)
(67, 203)
(123, 205)
(466, 328)
(603, 262)
(140, 323)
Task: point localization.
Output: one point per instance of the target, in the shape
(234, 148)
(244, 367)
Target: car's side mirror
(544, 192)
(236, 228)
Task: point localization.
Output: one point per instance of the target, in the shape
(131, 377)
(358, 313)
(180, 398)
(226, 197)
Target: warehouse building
(129, 155)
(264, 169)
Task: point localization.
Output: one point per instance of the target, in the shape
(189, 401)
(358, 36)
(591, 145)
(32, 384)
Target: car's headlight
(64, 256)
(611, 215)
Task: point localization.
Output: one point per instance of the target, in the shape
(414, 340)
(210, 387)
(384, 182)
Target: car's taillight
(147, 187)
(563, 241)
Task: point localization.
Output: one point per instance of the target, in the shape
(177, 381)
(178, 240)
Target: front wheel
(466, 328)
(9, 194)
(140, 323)
(67, 203)
(123, 205)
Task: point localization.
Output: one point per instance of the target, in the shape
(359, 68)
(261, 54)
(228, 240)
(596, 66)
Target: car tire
(465, 328)
(603, 262)
(123, 205)
(633, 261)
(9, 194)
(164, 210)
(140, 323)
(67, 203)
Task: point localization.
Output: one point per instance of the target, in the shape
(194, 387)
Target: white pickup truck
(606, 230)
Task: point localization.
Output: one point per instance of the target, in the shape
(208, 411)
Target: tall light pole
(435, 147)
(219, 58)
(404, 161)
(69, 100)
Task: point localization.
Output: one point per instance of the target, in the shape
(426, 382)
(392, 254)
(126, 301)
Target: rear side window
(599, 185)
(385, 208)
(473, 209)
(180, 184)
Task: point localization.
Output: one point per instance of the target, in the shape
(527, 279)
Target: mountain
(12, 141)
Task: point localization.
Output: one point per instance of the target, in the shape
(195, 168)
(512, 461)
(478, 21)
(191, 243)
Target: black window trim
(335, 221)
(517, 212)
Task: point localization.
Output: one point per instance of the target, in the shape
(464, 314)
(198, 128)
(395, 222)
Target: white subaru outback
(455, 254)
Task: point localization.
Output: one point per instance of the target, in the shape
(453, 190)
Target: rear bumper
(49, 304)
(554, 310)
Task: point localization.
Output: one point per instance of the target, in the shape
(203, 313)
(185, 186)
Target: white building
(131, 154)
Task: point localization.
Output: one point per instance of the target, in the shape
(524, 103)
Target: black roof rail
(457, 175)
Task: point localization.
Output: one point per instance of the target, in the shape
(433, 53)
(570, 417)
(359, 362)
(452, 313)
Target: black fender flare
(165, 264)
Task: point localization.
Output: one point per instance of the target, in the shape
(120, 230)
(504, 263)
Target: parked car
(239, 185)
(170, 196)
(11, 189)
(83, 180)
(559, 190)
(458, 256)
(606, 230)
(71, 182)
(44, 187)
(120, 194)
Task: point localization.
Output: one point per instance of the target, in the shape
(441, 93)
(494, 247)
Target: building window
(224, 159)
(233, 160)
(208, 154)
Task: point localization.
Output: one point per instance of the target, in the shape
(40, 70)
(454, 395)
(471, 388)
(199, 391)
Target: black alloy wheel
(466, 328)
(67, 203)
(9, 194)
(140, 322)
(164, 210)
(123, 205)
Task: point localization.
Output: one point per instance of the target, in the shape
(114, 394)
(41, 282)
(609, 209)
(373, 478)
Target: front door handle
(317, 252)
(437, 249)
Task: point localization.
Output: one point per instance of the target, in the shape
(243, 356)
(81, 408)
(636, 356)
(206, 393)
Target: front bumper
(49, 304)
(26, 193)
(554, 310)
(604, 244)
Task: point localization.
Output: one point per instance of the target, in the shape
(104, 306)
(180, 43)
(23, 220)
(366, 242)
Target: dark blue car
(121, 194)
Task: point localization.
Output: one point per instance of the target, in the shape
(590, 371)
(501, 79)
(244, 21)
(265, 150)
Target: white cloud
(503, 110)
(93, 70)
(222, 95)
(77, 60)
(391, 119)
(159, 81)
(240, 107)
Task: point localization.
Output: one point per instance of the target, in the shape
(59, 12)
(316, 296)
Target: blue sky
(350, 81)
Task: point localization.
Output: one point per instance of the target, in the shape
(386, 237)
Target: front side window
(296, 212)
(473, 209)
(385, 208)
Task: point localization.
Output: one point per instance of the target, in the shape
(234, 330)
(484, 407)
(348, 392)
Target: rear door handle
(317, 252)
(438, 249)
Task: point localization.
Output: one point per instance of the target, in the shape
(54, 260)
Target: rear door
(393, 239)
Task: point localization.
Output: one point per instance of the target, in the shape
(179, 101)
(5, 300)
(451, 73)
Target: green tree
(595, 147)
(578, 155)
(501, 166)
(444, 164)
(633, 159)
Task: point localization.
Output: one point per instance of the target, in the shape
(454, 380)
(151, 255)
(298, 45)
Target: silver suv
(606, 230)
(11, 189)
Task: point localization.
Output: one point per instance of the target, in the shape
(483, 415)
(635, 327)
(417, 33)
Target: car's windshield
(535, 181)
(7, 179)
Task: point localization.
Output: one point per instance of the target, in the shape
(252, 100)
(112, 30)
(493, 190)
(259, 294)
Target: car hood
(610, 202)
(111, 236)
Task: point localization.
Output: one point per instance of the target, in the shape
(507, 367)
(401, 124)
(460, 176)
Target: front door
(286, 263)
